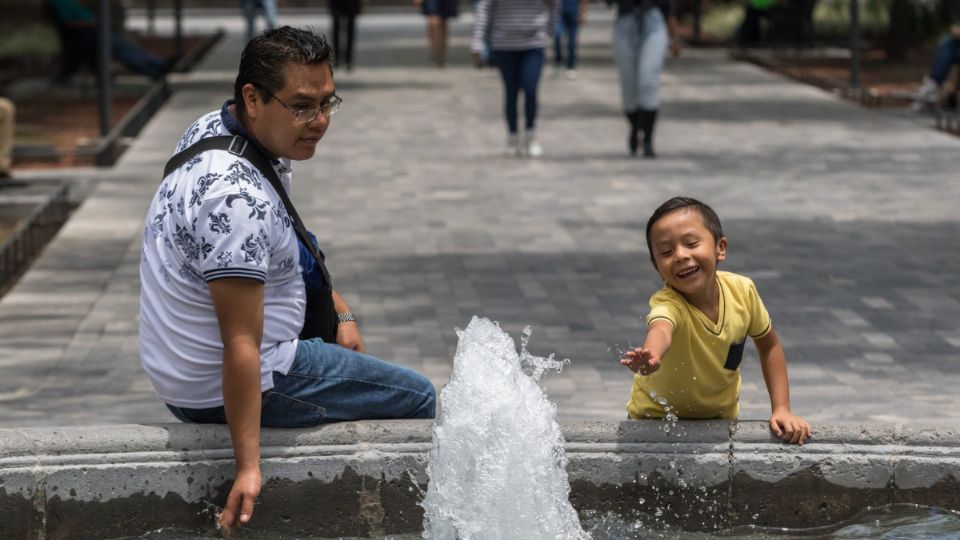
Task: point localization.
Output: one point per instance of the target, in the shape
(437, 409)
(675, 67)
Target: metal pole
(151, 15)
(103, 68)
(178, 24)
(697, 8)
(855, 43)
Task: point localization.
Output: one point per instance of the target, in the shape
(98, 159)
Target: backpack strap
(241, 147)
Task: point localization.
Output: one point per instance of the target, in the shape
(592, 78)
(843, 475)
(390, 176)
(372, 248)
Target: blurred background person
(76, 25)
(518, 31)
(945, 59)
(572, 15)
(438, 12)
(344, 14)
(250, 10)
(750, 31)
(643, 31)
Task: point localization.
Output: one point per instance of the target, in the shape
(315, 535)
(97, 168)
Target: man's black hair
(710, 219)
(263, 59)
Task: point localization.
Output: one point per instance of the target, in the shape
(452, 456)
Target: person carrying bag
(320, 317)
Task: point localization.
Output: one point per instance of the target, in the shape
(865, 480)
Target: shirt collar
(236, 128)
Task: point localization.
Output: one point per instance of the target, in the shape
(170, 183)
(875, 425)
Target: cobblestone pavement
(845, 218)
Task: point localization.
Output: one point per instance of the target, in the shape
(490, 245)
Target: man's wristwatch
(346, 317)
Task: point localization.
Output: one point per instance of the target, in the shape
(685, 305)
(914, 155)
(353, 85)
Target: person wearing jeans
(328, 383)
(518, 31)
(643, 31)
(223, 291)
(946, 56)
(572, 14)
(77, 28)
(520, 70)
(250, 8)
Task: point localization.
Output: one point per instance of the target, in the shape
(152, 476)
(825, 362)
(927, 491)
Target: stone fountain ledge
(366, 478)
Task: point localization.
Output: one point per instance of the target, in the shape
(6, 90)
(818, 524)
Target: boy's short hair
(710, 219)
(263, 58)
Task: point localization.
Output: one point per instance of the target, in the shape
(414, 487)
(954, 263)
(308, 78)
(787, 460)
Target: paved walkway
(845, 218)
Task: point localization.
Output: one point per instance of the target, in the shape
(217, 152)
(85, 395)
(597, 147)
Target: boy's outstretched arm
(773, 361)
(645, 360)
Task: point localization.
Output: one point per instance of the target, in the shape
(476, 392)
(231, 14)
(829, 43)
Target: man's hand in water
(243, 495)
(641, 361)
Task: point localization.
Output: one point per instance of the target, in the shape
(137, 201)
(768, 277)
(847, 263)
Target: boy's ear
(722, 249)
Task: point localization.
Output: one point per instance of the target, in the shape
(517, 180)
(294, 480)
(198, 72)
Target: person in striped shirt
(517, 32)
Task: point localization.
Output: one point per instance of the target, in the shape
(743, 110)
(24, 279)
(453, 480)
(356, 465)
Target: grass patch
(34, 41)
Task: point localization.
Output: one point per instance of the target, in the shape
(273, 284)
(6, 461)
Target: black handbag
(320, 317)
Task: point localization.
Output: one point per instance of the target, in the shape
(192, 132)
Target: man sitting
(223, 289)
(77, 28)
(933, 85)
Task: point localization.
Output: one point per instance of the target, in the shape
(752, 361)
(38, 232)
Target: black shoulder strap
(240, 146)
(222, 142)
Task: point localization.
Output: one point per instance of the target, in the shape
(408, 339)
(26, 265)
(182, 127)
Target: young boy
(698, 325)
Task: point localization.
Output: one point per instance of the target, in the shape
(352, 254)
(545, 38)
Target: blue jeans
(328, 383)
(568, 24)
(640, 48)
(250, 8)
(80, 48)
(947, 55)
(520, 70)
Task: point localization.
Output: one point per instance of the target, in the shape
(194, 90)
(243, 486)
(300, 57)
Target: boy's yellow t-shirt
(699, 375)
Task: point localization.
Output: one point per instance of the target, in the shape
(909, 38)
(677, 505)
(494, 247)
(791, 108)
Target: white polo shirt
(214, 217)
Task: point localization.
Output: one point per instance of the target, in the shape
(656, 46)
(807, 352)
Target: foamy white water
(497, 467)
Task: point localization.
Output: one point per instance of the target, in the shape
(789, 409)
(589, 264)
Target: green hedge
(832, 18)
(36, 41)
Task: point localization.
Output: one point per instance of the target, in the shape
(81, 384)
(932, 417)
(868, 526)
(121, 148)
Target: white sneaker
(513, 146)
(534, 149)
(926, 96)
(571, 74)
(928, 92)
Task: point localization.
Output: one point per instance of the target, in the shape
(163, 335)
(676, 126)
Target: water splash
(497, 467)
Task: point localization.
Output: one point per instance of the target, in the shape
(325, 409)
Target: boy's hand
(641, 361)
(790, 427)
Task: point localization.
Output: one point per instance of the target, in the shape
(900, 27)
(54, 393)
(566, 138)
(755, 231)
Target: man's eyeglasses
(305, 115)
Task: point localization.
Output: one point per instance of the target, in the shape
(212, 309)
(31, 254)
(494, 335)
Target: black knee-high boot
(647, 119)
(633, 138)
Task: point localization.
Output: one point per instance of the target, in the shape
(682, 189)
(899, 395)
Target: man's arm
(239, 306)
(773, 362)
(645, 360)
(348, 333)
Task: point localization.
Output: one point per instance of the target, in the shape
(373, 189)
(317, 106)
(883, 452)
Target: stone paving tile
(845, 219)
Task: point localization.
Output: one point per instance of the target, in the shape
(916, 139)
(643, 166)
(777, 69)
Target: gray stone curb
(82, 482)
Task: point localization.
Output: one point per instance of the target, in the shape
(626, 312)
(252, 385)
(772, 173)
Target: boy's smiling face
(685, 252)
